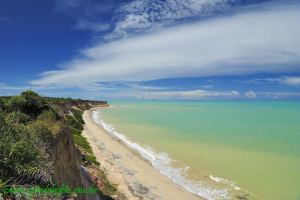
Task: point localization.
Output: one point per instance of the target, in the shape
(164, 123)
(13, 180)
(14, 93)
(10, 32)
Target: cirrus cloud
(250, 41)
(195, 94)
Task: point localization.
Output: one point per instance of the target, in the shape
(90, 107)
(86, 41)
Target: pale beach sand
(134, 176)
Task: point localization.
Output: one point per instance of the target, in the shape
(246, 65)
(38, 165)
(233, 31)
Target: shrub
(18, 155)
(41, 132)
(18, 117)
(2, 105)
(49, 115)
(29, 103)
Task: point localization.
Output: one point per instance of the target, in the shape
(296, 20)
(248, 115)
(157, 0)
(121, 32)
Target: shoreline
(134, 177)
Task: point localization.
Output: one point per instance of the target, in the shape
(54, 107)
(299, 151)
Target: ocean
(215, 149)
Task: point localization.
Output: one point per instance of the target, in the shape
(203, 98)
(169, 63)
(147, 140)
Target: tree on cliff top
(29, 103)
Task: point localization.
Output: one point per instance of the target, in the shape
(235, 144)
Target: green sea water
(255, 144)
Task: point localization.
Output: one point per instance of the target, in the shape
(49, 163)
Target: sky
(151, 49)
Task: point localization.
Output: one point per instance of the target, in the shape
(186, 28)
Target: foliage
(49, 115)
(75, 123)
(23, 159)
(42, 133)
(82, 142)
(18, 117)
(2, 104)
(18, 155)
(29, 103)
(28, 125)
(92, 159)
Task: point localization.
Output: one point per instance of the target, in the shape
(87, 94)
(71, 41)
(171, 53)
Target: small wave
(224, 181)
(162, 162)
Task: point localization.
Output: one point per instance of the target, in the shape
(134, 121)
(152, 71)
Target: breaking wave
(162, 162)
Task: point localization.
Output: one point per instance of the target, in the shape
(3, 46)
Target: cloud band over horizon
(249, 41)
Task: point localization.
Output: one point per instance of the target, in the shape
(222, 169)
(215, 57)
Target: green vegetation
(28, 126)
(107, 188)
(22, 160)
(18, 154)
(75, 123)
(29, 103)
(82, 142)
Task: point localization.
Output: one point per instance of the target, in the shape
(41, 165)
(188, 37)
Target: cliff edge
(42, 147)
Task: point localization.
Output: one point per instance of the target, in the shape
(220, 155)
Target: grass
(82, 142)
(75, 124)
(92, 158)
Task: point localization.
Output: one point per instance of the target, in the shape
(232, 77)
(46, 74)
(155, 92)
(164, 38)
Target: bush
(49, 115)
(29, 103)
(18, 117)
(41, 132)
(2, 105)
(18, 155)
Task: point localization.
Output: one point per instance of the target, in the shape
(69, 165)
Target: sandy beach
(135, 177)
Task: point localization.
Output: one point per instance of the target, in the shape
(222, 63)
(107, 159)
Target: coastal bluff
(42, 147)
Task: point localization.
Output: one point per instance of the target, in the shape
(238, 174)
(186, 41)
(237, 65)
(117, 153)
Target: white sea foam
(224, 181)
(162, 162)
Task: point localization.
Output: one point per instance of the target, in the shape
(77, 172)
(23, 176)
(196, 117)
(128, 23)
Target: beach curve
(135, 177)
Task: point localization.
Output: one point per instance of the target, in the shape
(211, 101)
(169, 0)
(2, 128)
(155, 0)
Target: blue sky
(151, 49)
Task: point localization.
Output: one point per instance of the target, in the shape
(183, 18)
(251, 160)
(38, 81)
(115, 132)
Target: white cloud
(89, 25)
(294, 81)
(192, 94)
(140, 16)
(195, 94)
(264, 40)
(250, 95)
(144, 15)
(279, 95)
(287, 80)
(87, 14)
(4, 86)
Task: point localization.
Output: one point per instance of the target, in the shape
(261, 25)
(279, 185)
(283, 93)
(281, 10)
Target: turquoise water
(254, 146)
